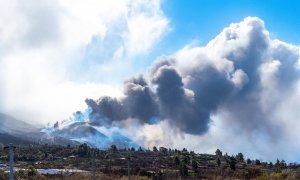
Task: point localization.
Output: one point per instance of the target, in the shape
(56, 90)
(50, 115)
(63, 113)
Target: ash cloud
(231, 74)
(139, 103)
(241, 82)
(166, 98)
(177, 104)
(140, 100)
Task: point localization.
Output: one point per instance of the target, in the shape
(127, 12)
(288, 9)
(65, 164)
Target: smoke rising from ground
(242, 83)
(232, 72)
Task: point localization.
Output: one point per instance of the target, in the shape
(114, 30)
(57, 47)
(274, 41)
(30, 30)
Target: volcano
(80, 129)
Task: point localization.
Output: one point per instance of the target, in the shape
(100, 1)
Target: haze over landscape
(154, 73)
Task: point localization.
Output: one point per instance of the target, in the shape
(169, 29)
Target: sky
(204, 19)
(55, 54)
(200, 21)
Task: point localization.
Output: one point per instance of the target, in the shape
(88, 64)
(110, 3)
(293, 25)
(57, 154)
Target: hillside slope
(5, 139)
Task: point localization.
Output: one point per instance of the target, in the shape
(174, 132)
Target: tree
(140, 149)
(271, 164)
(113, 148)
(257, 162)
(218, 153)
(277, 164)
(218, 162)
(176, 161)
(282, 164)
(249, 161)
(83, 150)
(194, 165)
(163, 150)
(232, 163)
(186, 159)
(240, 157)
(183, 170)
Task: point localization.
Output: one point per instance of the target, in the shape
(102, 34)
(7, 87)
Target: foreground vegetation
(157, 163)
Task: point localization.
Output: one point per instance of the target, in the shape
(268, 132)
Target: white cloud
(43, 46)
(144, 29)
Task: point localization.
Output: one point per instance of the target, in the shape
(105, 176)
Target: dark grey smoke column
(181, 109)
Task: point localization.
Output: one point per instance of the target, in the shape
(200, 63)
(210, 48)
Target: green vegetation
(160, 163)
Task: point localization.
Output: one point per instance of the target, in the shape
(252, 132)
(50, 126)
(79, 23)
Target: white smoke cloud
(238, 93)
(44, 70)
(260, 114)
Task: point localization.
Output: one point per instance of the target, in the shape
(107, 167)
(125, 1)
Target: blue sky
(204, 19)
(198, 22)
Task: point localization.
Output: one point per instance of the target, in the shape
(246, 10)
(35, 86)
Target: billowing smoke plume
(139, 103)
(166, 99)
(230, 74)
(239, 83)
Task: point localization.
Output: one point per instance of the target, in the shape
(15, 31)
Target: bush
(253, 173)
(3, 175)
(31, 171)
(274, 175)
(279, 175)
(21, 174)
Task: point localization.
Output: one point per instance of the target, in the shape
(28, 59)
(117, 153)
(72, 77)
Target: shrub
(32, 171)
(21, 174)
(253, 173)
(279, 175)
